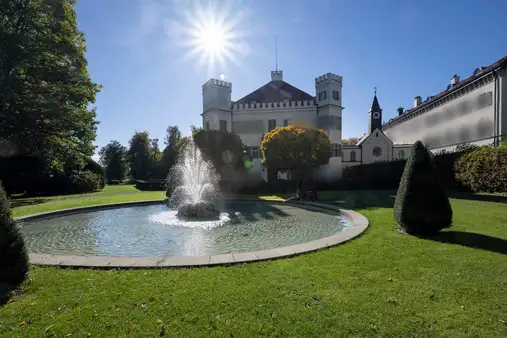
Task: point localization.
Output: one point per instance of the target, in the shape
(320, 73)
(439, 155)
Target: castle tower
(328, 90)
(374, 115)
(216, 105)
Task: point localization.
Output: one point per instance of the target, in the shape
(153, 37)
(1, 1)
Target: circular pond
(153, 230)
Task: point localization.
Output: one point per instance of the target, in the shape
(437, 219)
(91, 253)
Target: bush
(83, 181)
(484, 169)
(14, 259)
(96, 168)
(387, 175)
(151, 185)
(421, 205)
(113, 182)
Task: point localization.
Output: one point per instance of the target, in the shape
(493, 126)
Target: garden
(431, 262)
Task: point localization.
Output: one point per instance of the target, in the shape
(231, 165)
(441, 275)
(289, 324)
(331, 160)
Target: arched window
(353, 156)
(401, 154)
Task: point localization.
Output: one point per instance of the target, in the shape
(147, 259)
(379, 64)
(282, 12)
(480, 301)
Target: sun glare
(212, 37)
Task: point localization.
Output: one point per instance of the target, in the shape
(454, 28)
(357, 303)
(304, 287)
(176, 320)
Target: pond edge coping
(358, 224)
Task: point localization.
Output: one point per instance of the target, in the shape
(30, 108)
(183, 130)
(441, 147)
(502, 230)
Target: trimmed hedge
(387, 175)
(484, 169)
(151, 185)
(13, 255)
(421, 206)
(30, 175)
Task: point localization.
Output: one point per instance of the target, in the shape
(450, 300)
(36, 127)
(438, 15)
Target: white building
(473, 110)
(278, 103)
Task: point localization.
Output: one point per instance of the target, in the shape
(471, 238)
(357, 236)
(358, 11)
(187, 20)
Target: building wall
(376, 140)
(252, 123)
(464, 119)
(503, 105)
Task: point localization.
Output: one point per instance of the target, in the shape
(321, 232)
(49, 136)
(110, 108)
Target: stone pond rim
(358, 224)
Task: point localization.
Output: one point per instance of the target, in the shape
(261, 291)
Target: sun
(212, 37)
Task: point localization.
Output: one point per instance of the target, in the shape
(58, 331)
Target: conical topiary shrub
(421, 206)
(13, 256)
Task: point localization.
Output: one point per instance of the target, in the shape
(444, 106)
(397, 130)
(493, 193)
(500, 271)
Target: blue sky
(406, 48)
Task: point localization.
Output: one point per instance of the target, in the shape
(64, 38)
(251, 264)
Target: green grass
(19, 200)
(380, 284)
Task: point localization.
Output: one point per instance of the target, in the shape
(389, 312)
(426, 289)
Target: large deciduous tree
(45, 88)
(113, 157)
(170, 153)
(139, 156)
(421, 206)
(296, 148)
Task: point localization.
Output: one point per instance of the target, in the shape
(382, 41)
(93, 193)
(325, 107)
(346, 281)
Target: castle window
(223, 125)
(322, 96)
(336, 95)
(206, 125)
(285, 123)
(271, 124)
(255, 152)
(376, 134)
(353, 156)
(401, 154)
(377, 151)
(336, 150)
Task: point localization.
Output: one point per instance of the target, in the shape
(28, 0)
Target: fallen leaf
(22, 324)
(129, 330)
(159, 321)
(89, 334)
(34, 302)
(11, 300)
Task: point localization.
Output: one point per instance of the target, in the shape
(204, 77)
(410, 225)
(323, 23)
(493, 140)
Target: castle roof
(276, 91)
(478, 72)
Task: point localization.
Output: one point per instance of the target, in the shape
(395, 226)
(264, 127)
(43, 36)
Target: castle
(473, 111)
(277, 103)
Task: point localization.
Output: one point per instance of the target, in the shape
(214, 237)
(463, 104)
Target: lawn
(383, 283)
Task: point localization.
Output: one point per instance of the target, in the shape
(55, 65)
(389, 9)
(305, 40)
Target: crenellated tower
(216, 101)
(328, 89)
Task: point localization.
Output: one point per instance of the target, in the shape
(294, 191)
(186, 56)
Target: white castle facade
(470, 111)
(278, 103)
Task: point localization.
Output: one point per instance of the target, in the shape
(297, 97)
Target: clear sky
(140, 51)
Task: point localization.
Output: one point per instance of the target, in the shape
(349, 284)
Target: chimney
(454, 80)
(400, 110)
(417, 101)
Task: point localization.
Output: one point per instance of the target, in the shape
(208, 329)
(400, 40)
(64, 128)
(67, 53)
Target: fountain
(192, 185)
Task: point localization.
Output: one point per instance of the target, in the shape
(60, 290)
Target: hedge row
(387, 175)
(29, 175)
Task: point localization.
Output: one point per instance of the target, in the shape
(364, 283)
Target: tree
(139, 156)
(14, 262)
(113, 157)
(296, 148)
(351, 141)
(421, 206)
(173, 135)
(45, 88)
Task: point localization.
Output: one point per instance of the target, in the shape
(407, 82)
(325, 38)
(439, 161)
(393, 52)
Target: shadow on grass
(21, 203)
(478, 197)
(471, 240)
